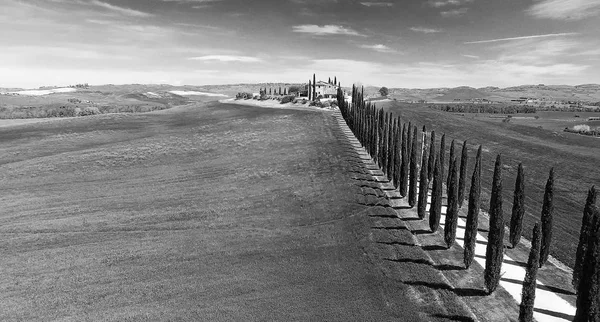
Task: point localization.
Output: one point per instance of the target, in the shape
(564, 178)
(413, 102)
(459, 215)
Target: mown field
(574, 157)
(210, 212)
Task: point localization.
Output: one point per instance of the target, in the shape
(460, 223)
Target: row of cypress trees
(394, 147)
(272, 91)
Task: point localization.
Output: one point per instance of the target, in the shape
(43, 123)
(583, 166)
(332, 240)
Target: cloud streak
(121, 10)
(325, 30)
(380, 48)
(522, 38)
(227, 58)
(377, 4)
(425, 30)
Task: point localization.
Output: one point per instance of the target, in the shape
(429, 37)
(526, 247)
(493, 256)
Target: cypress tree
(390, 155)
(398, 155)
(279, 90)
(473, 212)
(335, 80)
(495, 247)
(518, 209)
(384, 143)
(435, 210)
(423, 186)
(431, 161)
(410, 138)
(442, 153)
(584, 235)
(529, 283)
(270, 91)
(309, 90)
(414, 170)
(405, 162)
(329, 80)
(547, 214)
(449, 164)
(462, 181)
(588, 293)
(314, 94)
(452, 209)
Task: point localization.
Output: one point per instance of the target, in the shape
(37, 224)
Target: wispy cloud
(470, 56)
(444, 3)
(377, 4)
(454, 13)
(565, 9)
(325, 30)
(523, 37)
(380, 48)
(121, 10)
(425, 30)
(227, 58)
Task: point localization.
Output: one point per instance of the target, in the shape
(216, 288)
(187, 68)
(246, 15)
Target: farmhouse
(326, 90)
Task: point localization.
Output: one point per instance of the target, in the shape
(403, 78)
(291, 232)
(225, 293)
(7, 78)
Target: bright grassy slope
(213, 212)
(575, 158)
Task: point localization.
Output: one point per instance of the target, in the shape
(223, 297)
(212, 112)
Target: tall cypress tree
(314, 94)
(547, 214)
(452, 209)
(435, 210)
(423, 186)
(308, 89)
(495, 247)
(462, 181)
(473, 212)
(398, 155)
(529, 283)
(405, 162)
(449, 164)
(384, 143)
(390, 154)
(335, 80)
(442, 153)
(588, 293)
(431, 161)
(414, 170)
(518, 209)
(584, 235)
(410, 138)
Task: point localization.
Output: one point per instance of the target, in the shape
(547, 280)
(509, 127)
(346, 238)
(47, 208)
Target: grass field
(210, 212)
(574, 157)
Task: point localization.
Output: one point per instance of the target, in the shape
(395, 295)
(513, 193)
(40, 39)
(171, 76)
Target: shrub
(547, 214)
(473, 212)
(518, 210)
(529, 283)
(495, 247)
(287, 99)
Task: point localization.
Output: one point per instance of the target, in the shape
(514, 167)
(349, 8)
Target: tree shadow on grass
(508, 261)
(420, 232)
(409, 260)
(412, 219)
(565, 316)
(392, 243)
(391, 228)
(442, 286)
(548, 288)
(434, 247)
(400, 207)
(459, 318)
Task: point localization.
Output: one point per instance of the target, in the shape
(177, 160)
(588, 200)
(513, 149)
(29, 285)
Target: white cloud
(565, 9)
(425, 30)
(380, 48)
(454, 13)
(377, 4)
(227, 58)
(444, 3)
(121, 10)
(522, 38)
(325, 30)
(470, 56)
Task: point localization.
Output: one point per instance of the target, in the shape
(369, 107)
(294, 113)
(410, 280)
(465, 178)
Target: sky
(412, 44)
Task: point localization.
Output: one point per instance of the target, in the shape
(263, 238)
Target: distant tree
(495, 247)
(405, 162)
(335, 80)
(270, 91)
(285, 91)
(462, 181)
(329, 80)
(431, 161)
(584, 235)
(314, 83)
(547, 214)
(294, 89)
(423, 186)
(384, 91)
(435, 210)
(414, 171)
(452, 209)
(518, 210)
(529, 284)
(279, 90)
(309, 90)
(473, 212)
(588, 293)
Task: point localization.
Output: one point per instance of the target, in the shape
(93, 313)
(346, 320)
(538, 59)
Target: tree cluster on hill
(484, 108)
